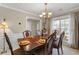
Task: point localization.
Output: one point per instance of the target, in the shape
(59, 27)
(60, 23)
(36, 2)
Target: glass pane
(65, 25)
(55, 25)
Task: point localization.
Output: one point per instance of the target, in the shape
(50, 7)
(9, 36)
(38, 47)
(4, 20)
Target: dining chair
(58, 43)
(26, 33)
(47, 48)
(18, 51)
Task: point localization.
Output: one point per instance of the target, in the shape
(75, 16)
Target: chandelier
(46, 14)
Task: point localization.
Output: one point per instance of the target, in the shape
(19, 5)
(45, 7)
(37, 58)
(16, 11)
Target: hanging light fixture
(45, 16)
(46, 13)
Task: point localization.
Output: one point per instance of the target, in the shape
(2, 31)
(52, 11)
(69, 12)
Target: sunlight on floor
(67, 51)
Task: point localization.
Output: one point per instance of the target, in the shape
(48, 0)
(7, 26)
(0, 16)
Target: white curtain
(75, 30)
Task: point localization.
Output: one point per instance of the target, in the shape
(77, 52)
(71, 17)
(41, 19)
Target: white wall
(13, 18)
(15, 30)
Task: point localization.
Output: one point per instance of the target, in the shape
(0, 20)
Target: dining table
(32, 43)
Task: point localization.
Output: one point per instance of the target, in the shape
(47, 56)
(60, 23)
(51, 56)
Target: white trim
(61, 17)
(16, 9)
(31, 17)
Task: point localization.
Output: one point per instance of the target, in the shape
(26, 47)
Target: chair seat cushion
(55, 44)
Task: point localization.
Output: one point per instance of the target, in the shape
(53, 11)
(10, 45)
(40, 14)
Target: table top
(30, 43)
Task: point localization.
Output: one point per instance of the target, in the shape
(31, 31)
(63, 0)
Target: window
(62, 25)
(55, 25)
(65, 26)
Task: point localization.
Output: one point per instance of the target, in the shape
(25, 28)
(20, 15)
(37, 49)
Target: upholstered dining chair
(58, 43)
(47, 48)
(26, 33)
(18, 51)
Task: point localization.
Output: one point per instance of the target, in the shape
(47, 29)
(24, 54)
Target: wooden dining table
(30, 43)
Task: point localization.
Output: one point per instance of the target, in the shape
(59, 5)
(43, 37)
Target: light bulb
(41, 15)
(4, 25)
(49, 13)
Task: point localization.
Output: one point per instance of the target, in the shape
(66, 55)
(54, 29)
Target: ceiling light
(46, 13)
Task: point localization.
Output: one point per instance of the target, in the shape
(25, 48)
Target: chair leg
(51, 51)
(62, 50)
(58, 51)
(45, 50)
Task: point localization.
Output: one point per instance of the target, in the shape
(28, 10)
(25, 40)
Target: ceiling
(37, 8)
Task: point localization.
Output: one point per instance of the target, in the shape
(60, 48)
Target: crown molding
(19, 10)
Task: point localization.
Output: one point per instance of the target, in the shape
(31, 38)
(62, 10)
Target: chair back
(26, 33)
(52, 36)
(50, 41)
(9, 43)
(61, 39)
